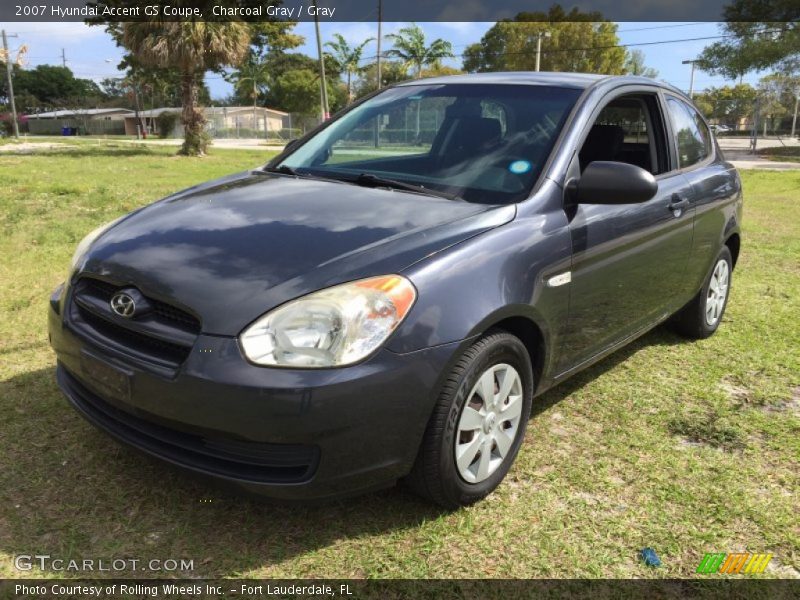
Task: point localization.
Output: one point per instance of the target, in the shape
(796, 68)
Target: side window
(694, 140)
(628, 129)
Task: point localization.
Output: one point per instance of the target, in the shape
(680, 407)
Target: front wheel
(478, 423)
(702, 316)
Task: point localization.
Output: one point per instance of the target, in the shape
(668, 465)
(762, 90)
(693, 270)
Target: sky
(92, 54)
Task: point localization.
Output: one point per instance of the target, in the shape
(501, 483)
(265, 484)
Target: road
(736, 150)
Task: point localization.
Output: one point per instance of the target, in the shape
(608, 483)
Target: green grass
(685, 447)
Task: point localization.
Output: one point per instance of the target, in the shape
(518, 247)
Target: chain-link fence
(242, 123)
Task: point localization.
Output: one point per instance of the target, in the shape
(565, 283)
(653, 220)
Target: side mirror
(291, 144)
(604, 182)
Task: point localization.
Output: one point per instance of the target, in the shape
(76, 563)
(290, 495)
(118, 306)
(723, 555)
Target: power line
(672, 26)
(611, 46)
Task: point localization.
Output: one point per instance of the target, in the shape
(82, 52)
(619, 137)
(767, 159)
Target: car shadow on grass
(70, 491)
(660, 336)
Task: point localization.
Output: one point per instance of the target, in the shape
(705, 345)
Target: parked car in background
(720, 129)
(386, 299)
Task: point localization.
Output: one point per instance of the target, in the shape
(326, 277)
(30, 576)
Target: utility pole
(539, 37)
(691, 80)
(796, 102)
(323, 87)
(378, 58)
(754, 129)
(63, 58)
(7, 54)
(255, 99)
(139, 129)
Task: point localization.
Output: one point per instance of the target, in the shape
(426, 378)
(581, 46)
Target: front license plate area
(107, 380)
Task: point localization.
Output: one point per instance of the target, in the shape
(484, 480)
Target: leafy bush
(165, 123)
(6, 123)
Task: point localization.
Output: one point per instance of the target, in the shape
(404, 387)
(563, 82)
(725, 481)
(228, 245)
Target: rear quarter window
(692, 135)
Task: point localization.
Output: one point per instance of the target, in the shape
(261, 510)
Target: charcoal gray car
(386, 298)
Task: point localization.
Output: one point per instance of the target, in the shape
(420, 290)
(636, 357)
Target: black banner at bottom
(389, 589)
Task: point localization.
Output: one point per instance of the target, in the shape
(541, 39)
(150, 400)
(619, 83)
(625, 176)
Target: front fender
(498, 274)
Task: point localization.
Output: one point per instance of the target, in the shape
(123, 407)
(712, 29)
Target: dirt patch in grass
(790, 405)
(31, 147)
(707, 429)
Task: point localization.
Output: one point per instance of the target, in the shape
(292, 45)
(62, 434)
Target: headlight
(86, 243)
(331, 328)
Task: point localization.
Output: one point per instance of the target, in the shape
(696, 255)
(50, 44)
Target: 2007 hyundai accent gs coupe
(385, 298)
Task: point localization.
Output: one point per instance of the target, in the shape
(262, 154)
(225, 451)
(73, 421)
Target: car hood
(231, 249)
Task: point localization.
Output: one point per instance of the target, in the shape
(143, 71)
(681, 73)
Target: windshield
(478, 142)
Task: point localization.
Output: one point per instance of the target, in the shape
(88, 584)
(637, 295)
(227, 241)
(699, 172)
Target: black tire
(691, 320)
(435, 475)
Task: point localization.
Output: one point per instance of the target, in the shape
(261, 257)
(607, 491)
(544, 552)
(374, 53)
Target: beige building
(222, 121)
(108, 121)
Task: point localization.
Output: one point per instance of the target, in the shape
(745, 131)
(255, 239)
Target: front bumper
(286, 433)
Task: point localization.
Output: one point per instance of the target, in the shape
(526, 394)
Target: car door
(628, 259)
(714, 184)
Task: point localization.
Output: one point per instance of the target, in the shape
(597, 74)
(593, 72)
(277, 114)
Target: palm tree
(347, 58)
(409, 46)
(256, 73)
(192, 47)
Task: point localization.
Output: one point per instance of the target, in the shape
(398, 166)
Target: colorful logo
(743, 562)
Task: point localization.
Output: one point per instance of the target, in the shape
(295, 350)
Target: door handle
(678, 204)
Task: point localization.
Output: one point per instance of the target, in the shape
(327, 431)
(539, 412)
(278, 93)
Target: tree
(348, 58)
(249, 78)
(54, 87)
(778, 93)
(297, 91)
(722, 58)
(392, 71)
(441, 71)
(274, 37)
(727, 104)
(411, 49)
(634, 65)
(578, 42)
(293, 84)
(762, 35)
(191, 47)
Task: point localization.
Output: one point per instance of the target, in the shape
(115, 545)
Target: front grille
(159, 349)
(162, 336)
(104, 290)
(241, 460)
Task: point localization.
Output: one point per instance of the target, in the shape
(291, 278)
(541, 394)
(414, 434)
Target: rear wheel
(702, 316)
(478, 423)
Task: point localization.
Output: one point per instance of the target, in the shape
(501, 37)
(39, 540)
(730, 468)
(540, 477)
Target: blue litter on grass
(650, 558)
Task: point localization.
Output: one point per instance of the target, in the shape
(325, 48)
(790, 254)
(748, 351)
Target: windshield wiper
(370, 180)
(283, 169)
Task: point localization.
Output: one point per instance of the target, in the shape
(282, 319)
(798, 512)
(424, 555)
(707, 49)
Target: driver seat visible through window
(465, 136)
(603, 143)
(629, 130)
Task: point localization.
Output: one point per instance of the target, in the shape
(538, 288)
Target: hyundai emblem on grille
(123, 305)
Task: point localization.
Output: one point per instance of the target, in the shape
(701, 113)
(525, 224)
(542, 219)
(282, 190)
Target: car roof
(569, 80)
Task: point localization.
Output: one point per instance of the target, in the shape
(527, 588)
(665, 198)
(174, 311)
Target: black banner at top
(367, 10)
